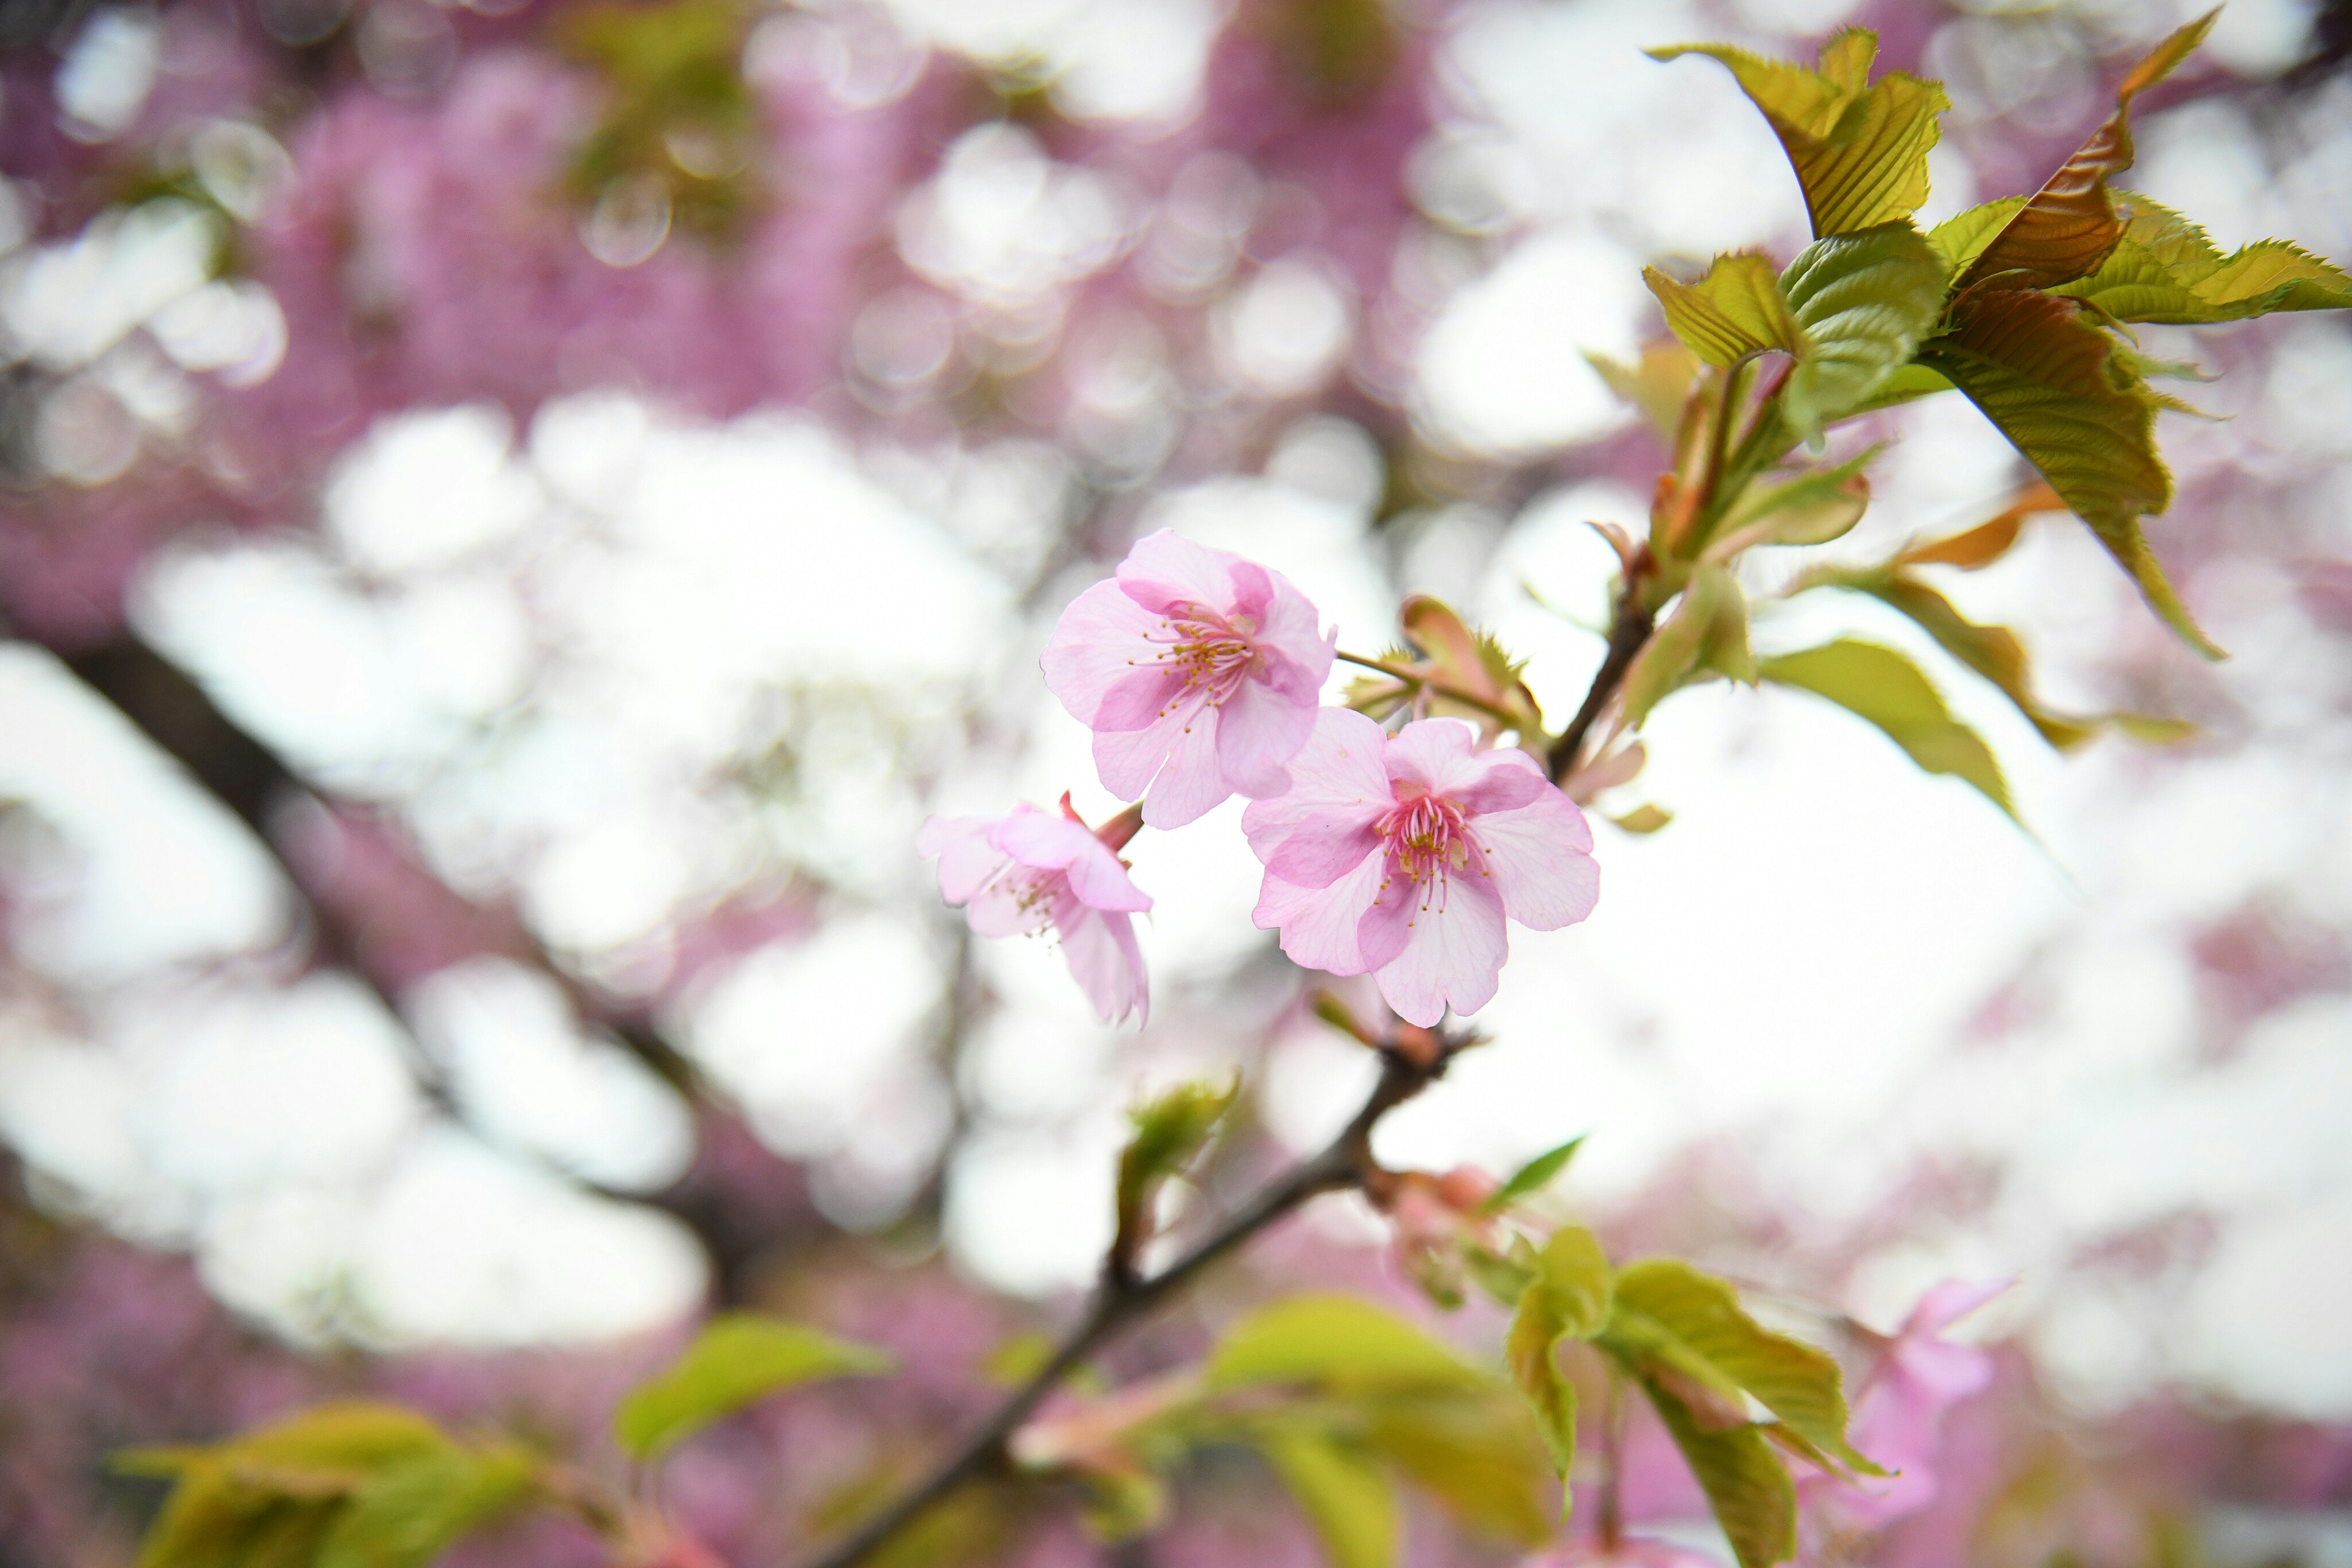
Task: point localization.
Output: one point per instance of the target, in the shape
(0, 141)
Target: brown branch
(1628, 630)
(1121, 1300)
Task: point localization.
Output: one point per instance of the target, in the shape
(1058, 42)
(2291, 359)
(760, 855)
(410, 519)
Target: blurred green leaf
(416, 1509)
(1567, 1299)
(1340, 1343)
(1882, 686)
(1534, 1177)
(1478, 1456)
(1859, 148)
(678, 113)
(1746, 1485)
(1122, 1504)
(737, 1359)
(1670, 1321)
(1656, 385)
(1646, 818)
(1707, 632)
(1170, 1130)
(2068, 227)
(2047, 378)
(1342, 1492)
(1502, 1275)
(1864, 300)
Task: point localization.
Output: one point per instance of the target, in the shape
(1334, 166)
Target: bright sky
(1793, 962)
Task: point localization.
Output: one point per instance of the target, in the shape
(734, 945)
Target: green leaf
(1569, 1299)
(1959, 240)
(2166, 269)
(1168, 1132)
(2068, 227)
(1907, 384)
(738, 1358)
(1707, 631)
(1340, 1343)
(1746, 1484)
(417, 1509)
(1686, 1321)
(1502, 1275)
(1479, 1456)
(1656, 385)
(1863, 302)
(1860, 152)
(1812, 508)
(1733, 313)
(1122, 1504)
(2049, 380)
(1534, 1177)
(1882, 686)
(1342, 1492)
(1648, 818)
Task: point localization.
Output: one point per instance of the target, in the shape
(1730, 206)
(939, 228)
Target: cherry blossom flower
(1899, 1415)
(1198, 672)
(1035, 871)
(1401, 854)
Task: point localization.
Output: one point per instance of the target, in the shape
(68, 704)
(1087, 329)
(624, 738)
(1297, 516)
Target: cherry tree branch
(1629, 628)
(1120, 1301)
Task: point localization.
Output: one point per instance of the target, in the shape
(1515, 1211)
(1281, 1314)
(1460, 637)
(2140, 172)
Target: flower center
(1427, 835)
(1212, 654)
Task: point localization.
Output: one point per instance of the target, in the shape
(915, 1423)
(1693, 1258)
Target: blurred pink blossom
(1370, 859)
(1033, 871)
(1198, 672)
(1626, 1552)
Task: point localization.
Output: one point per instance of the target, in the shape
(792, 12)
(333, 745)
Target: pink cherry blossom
(1898, 1413)
(1198, 672)
(1401, 854)
(1035, 871)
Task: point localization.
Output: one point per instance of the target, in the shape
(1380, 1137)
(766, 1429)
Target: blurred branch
(257, 786)
(1121, 1299)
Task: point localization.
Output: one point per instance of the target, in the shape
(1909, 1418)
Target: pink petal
(1096, 643)
(1322, 826)
(1501, 780)
(1540, 858)
(1106, 963)
(1043, 840)
(1297, 655)
(1318, 924)
(1016, 903)
(1948, 1302)
(968, 861)
(1258, 730)
(1192, 782)
(1432, 756)
(1129, 760)
(1453, 948)
(1163, 573)
(1145, 697)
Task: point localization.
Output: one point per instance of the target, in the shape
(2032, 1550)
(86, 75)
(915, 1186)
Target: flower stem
(1418, 681)
(1120, 1301)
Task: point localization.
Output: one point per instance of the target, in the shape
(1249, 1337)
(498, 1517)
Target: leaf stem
(1414, 679)
(1119, 1300)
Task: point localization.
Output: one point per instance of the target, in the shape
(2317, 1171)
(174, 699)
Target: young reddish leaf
(1863, 302)
(1746, 1485)
(2049, 379)
(738, 1358)
(1882, 686)
(2069, 226)
(1168, 1132)
(1339, 1344)
(1733, 313)
(1567, 1299)
(1989, 541)
(1859, 149)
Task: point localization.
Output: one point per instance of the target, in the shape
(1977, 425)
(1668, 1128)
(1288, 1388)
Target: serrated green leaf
(1479, 1456)
(414, 1511)
(2068, 227)
(1746, 1485)
(1733, 313)
(1702, 1318)
(2049, 380)
(1960, 239)
(738, 1359)
(1567, 1299)
(1656, 384)
(1170, 1131)
(1707, 632)
(1860, 152)
(2166, 269)
(1863, 302)
(1534, 1177)
(1342, 1492)
(1810, 509)
(1882, 686)
(1342, 1344)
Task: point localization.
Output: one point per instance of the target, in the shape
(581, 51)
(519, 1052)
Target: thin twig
(1413, 678)
(1120, 1301)
(1628, 630)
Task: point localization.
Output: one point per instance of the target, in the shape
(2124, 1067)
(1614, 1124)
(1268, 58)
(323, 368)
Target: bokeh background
(514, 512)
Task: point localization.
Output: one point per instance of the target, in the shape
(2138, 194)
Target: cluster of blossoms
(1394, 854)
